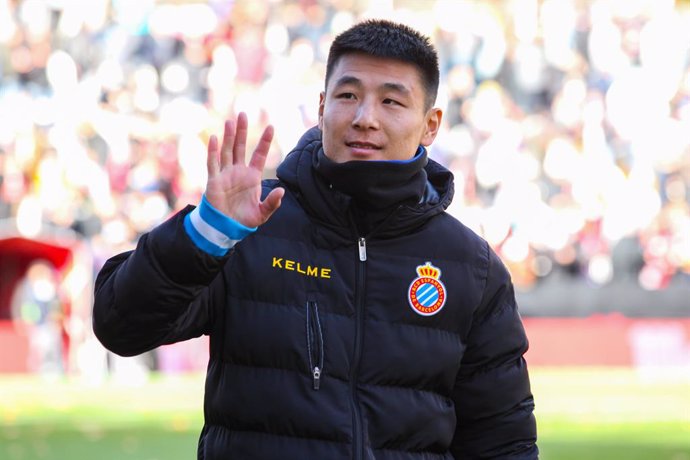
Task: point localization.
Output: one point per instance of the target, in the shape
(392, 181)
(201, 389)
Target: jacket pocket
(314, 342)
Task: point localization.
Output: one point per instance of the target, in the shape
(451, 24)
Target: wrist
(212, 231)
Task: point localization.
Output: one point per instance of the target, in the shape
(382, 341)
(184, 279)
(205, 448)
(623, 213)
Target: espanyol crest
(427, 294)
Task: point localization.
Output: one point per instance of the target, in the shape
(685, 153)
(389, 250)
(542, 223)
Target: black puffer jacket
(323, 345)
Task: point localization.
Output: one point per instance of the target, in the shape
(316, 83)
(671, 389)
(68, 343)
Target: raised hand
(233, 187)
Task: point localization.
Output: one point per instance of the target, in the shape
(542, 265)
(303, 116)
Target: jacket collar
(335, 210)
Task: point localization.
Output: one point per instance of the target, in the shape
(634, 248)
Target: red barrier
(14, 348)
(608, 340)
(602, 340)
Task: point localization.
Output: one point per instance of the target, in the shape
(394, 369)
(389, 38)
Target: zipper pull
(362, 250)
(317, 378)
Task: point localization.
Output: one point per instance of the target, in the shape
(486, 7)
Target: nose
(365, 116)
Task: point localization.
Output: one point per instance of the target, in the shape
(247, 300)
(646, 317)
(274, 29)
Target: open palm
(233, 187)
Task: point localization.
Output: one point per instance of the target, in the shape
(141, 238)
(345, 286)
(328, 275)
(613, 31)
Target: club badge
(427, 294)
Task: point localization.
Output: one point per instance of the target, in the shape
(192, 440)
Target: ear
(431, 126)
(322, 102)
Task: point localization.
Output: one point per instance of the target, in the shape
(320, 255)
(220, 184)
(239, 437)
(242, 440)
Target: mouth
(362, 145)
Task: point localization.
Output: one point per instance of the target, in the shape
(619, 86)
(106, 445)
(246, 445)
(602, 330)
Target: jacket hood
(332, 208)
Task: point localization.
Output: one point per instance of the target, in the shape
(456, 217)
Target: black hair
(386, 39)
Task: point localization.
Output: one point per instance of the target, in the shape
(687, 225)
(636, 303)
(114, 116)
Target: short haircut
(386, 39)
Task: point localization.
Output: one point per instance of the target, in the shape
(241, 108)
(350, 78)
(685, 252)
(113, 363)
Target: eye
(389, 101)
(345, 96)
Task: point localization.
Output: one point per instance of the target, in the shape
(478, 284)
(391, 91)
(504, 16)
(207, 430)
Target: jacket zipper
(358, 448)
(314, 343)
(354, 372)
(362, 244)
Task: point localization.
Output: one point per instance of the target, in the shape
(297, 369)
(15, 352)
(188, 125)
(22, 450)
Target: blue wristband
(212, 231)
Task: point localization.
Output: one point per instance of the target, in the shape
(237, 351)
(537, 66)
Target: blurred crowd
(567, 122)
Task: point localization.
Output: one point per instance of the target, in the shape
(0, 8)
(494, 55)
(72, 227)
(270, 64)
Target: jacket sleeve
(158, 293)
(492, 395)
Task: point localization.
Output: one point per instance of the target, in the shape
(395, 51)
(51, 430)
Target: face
(373, 109)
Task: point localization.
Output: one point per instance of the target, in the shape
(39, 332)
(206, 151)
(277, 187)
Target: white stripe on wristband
(210, 233)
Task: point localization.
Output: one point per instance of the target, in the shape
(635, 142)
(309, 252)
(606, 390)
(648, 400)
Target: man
(349, 316)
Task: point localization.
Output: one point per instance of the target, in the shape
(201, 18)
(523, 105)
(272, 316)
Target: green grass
(612, 413)
(592, 414)
(75, 420)
(142, 443)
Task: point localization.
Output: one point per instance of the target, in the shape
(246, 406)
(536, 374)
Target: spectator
(107, 106)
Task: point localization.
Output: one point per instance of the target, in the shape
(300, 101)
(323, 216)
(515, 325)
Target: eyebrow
(350, 80)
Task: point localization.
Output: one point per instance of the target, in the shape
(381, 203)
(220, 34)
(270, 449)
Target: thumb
(272, 202)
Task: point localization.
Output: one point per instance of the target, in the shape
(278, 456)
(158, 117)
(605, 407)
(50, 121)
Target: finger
(228, 141)
(272, 202)
(212, 164)
(240, 144)
(258, 160)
